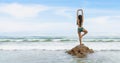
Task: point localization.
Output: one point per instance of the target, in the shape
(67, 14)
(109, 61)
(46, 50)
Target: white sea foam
(98, 46)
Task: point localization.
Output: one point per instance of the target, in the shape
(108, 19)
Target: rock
(80, 51)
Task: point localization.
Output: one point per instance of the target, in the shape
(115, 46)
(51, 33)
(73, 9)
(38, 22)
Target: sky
(58, 17)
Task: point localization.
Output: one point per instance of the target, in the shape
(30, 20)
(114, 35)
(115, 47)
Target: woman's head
(80, 17)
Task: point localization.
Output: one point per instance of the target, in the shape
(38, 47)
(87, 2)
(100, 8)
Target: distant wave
(35, 40)
(59, 40)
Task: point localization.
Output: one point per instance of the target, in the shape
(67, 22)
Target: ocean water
(52, 49)
(40, 56)
(60, 39)
(58, 43)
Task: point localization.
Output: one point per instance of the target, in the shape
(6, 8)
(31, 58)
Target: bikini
(80, 29)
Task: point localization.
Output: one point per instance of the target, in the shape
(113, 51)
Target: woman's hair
(80, 19)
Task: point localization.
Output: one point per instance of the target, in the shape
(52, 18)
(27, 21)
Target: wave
(49, 50)
(24, 49)
(108, 50)
(58, 43)
(100, 46)
(59, 40)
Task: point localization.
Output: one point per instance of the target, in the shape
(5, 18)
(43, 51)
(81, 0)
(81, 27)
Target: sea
(52, 49)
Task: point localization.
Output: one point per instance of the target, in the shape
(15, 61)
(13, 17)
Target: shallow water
(101, 57)
(47, 56)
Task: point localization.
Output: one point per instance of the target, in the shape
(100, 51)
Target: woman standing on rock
(80, 20)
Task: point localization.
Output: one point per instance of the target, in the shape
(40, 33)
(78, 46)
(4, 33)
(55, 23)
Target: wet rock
(80, 51)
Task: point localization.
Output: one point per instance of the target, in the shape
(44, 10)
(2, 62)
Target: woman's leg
(84, 32)
(80, 37)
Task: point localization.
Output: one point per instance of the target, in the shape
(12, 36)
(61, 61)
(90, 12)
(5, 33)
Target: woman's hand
(79, 10)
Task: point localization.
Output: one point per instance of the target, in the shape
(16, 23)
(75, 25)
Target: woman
(80, 24)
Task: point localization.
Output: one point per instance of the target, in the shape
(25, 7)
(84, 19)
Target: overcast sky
(57, 17)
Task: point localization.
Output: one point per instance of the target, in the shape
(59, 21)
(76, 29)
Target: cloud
(103, 24)
(101, 12)
(17, 26)
(10, 24)
(95, 22)
(65, 12)
(32, 10)
(21, 10)
(102, 20)
(98, 20)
